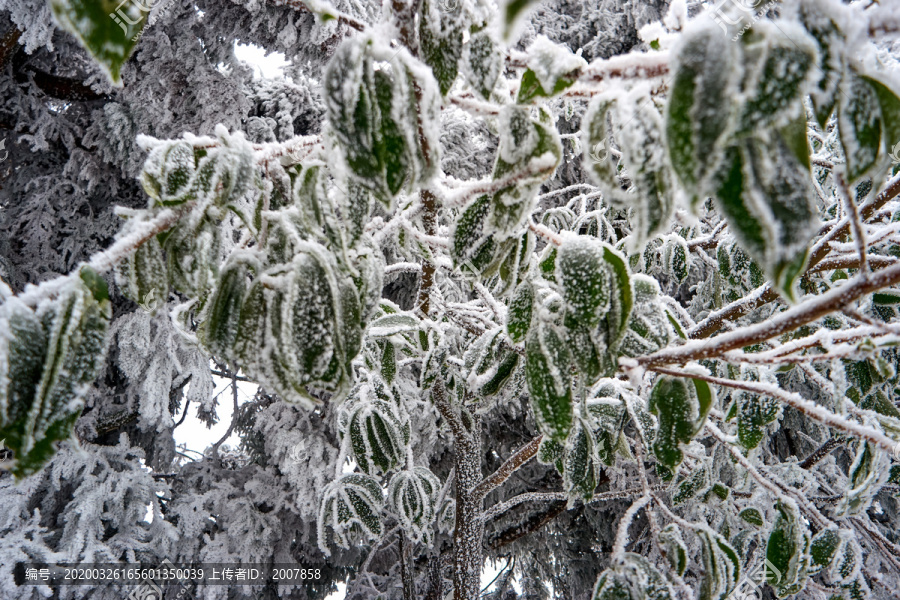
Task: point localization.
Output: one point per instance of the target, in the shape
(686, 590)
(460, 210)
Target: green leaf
(721, 565)
(649, 327)
(674, 547)
(518, 317)
(412, 496)
(765, 194)
(702, 102)
(632, 577)
(547, 364)
(867, 474)
(859, 124)
(752, 516)
(780, 70)
(681, 408)
(526, 146)
(581, 469)
(513, 12)
(551, 452)
(441, 29)
(691, 486)
(108, 30)
(551, 69)
(890, 115)
(50, 358)
(143, 276)
(396, 324)
(754, 411)
(482, 62)
(351, 507)
(823, 549)
(219, 329)
(786, 550)
(639, 132)
(383, 120)
(608, 416)
(831, 43)
(584, 279)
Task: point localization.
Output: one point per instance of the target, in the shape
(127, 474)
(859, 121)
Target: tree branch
(789, 320)
(512, 464)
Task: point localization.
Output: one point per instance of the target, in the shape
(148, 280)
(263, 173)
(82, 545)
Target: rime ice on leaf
(787, 549)
(681, 407)
(721, 564)
(351, 507)
(48, 359)
(412, 495)
(702, 105)
(383, 118)
(551, 69)
(632, 577)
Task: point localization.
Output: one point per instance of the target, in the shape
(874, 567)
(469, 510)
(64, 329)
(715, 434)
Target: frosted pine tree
(596, 296)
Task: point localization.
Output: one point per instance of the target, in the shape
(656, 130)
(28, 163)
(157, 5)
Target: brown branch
(822, 451)
(512, 464)
(789, 320)
(819, 251)
(529, 526)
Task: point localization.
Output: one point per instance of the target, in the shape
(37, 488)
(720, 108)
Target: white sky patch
(264, 66)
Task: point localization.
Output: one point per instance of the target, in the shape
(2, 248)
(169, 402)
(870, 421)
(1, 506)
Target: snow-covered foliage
(652, 245)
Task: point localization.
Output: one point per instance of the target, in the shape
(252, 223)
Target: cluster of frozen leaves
(271, 258)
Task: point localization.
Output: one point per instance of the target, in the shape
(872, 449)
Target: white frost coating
(551, 62)
(518, 137)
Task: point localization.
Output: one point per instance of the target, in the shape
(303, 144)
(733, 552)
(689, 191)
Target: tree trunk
(469, 528)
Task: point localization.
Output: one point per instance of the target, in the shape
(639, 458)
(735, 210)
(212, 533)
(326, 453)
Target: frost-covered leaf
(649, 328)
(607, 416)
(223, 311)
(490, 362)
(395, 324)
(378, 436)
(721, 565)
(638, 129)
(383, 119)
(675, 549)
(702, 105)
(632, 577)
(108, 30)
(143, 276)
(441, 28)
(513, 14)
(301, 325)
(859, 123)
(781, 66)
(551, 69)
(867, 474)
(547, 364)
(890, 113)
(529, 152)
(787, 550)
(412, 495)
(518, 319)
(351, 507)
(48, 359)
(831, 44)
(754, 411)
(581, 465)
(681, 407)
(823, 549)
(766, 195)
(752, 516)
(696, 483)
(481, 61)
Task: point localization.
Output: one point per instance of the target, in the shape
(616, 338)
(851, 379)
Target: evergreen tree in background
(599, 292)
